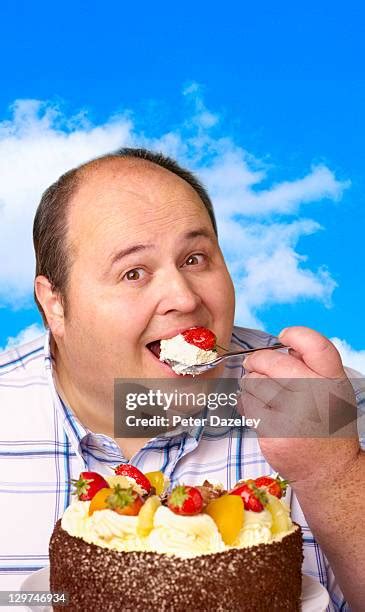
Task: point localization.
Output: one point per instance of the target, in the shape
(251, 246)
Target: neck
(94, 411)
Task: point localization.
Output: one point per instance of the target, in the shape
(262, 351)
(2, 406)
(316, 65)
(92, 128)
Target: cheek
(107, 311)
(222, 306)
(223, 294)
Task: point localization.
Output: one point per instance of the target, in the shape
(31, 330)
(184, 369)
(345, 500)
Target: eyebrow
(136, 248)
(129, 251)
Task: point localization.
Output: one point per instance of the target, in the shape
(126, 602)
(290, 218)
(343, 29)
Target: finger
(299, 401)
(290, 384)
(275, 424)
(254, 408)
(283, 423)
(295, 354)
(276, 364)
(264, 388)
(316, 351)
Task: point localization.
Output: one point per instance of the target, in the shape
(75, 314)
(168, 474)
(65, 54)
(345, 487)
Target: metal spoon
(204, 367)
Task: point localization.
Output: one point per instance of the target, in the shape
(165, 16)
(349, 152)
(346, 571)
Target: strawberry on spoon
(202, 337)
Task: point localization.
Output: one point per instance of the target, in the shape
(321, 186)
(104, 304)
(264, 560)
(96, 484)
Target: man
(127, 253)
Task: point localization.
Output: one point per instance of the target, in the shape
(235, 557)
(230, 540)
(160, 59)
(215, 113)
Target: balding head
(54, 250)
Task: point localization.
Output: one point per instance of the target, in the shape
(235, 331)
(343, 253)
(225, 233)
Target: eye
(133, 275)
(195, 259)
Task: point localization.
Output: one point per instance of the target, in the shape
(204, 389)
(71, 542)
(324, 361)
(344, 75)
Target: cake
(124, 543)
(194, 346)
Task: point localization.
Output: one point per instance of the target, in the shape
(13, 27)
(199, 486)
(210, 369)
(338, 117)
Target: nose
(177, 294)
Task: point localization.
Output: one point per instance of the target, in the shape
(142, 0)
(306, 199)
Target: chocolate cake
(259, 578)
(126, 544)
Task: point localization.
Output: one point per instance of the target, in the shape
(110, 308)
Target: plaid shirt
(43, 445)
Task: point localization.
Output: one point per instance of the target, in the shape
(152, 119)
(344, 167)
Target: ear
(51, 303)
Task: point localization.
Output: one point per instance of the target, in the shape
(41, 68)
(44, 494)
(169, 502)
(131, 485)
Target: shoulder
(23, 360)
(250, 338)
(25, 397)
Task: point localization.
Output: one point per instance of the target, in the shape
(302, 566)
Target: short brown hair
(53, 257)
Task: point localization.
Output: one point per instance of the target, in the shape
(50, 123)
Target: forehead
(123, 198)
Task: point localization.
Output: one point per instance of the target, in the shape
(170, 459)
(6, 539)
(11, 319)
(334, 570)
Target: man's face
(147, 266)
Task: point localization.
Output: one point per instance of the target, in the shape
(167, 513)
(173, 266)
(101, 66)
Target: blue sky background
(265, 102)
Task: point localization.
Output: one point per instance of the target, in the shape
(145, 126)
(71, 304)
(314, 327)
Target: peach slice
(157, 480)
(228, 514)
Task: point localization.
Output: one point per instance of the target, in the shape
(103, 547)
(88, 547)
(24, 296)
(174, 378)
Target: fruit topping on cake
(210, 491)
(132, 511)
(146, 516)
(254, 492)
(197, 547)
(158, 481)
(134, 476)
(88, 484)
(227, 512)
(185, 500)
(253, 497)
(275, 486)
(194, 346)
(123, 501)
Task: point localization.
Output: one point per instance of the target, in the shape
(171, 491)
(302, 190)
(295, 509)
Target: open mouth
(155, 348)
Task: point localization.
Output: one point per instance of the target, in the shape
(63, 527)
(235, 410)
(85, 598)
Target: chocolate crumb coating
(263, 578)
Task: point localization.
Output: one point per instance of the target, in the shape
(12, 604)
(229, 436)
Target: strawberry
(88, 484)
(185, 500)
(275, 486)
(122, 501)
(125, 469)
(253, 498)
(201, 337)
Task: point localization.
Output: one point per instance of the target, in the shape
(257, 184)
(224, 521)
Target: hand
(307, 407)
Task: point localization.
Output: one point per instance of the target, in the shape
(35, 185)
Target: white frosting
(181, 354)
(184, 536)
(256, 529)
(105, 528)
(75, 517)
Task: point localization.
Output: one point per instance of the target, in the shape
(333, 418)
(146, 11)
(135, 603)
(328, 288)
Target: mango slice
(228, 514)
(157, 480)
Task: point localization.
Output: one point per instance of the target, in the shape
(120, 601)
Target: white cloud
(351, 358)
(233, 174)
(37, 145)
(25, 335)
(279, 278)
(258, 230)
(201, 116)
(287, 197)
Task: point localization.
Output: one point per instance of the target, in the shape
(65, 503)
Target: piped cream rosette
(184, 536)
